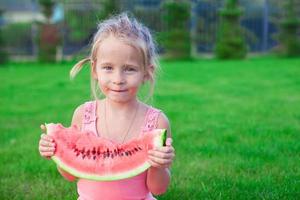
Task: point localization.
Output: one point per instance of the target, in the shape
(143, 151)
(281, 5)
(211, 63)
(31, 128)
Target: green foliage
(81, 22)
(47, 7)
(177, 43)
(176, 39)
(3, 53)
(289, 30)
(231, 43)
(176, 14)
(17, 35)
(110, 7)
(154, 22)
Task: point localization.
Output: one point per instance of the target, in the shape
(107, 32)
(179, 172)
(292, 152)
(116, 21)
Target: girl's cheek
(133, 91)
(104, 89)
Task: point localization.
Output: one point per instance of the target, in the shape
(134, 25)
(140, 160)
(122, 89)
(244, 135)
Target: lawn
(235, 124)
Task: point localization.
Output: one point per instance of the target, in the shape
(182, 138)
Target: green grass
(235, 124)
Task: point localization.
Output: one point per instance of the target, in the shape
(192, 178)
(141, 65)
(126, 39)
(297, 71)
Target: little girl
(122, 59)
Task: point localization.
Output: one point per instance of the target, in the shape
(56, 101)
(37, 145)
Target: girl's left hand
(162, 157)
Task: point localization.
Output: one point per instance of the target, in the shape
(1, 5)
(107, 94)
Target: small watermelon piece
(87, 156)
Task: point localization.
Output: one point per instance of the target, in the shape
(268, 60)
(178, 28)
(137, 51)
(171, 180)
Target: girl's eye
(107, 68)
(130, 69)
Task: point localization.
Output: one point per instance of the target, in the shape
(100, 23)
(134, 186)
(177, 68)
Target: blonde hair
(130, 31)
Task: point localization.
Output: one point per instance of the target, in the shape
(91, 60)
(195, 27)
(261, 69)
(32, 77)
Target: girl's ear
(94, 73)
(149, 73)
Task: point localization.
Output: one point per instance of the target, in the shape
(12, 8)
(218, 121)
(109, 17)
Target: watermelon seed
(94, 151)
(120, 152)
(107, 151)
(140, 148)
(94, 157)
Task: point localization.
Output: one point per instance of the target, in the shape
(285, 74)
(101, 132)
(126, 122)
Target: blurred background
(54, 30)
(229, 84)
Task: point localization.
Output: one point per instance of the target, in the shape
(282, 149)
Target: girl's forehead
(112, 49)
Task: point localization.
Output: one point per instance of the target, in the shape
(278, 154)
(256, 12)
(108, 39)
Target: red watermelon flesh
(87, 156)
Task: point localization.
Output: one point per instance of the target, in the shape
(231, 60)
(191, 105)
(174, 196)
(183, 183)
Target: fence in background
(78, 18)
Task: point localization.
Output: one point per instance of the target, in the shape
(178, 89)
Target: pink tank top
(134, 188)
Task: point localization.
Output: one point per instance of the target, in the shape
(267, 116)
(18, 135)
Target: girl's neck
(118, 108)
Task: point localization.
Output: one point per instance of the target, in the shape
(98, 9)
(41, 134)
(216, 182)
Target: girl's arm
(158, 175)
(76, 120)
(158, 180)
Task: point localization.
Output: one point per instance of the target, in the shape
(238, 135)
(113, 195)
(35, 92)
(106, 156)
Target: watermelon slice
(87, 156)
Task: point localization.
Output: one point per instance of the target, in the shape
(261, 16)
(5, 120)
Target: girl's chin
(120, 96)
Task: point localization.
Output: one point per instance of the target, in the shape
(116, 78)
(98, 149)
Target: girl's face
(118, 69)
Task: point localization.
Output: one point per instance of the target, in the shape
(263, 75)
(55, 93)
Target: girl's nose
(118, 78)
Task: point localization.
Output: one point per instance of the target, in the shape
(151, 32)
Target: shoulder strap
(89, 117)
(151, 119)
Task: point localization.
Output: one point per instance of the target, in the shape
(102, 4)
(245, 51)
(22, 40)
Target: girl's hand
(162, 157)
(47, 149)
(46, 144)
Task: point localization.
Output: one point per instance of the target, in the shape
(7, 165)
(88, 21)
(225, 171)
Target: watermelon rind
(108, 177)
(159, 141)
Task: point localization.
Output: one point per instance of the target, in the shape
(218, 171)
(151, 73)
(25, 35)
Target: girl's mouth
(118, 90)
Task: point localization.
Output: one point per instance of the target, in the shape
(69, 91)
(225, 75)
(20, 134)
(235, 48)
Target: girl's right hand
(47, 148)
(46, 144)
